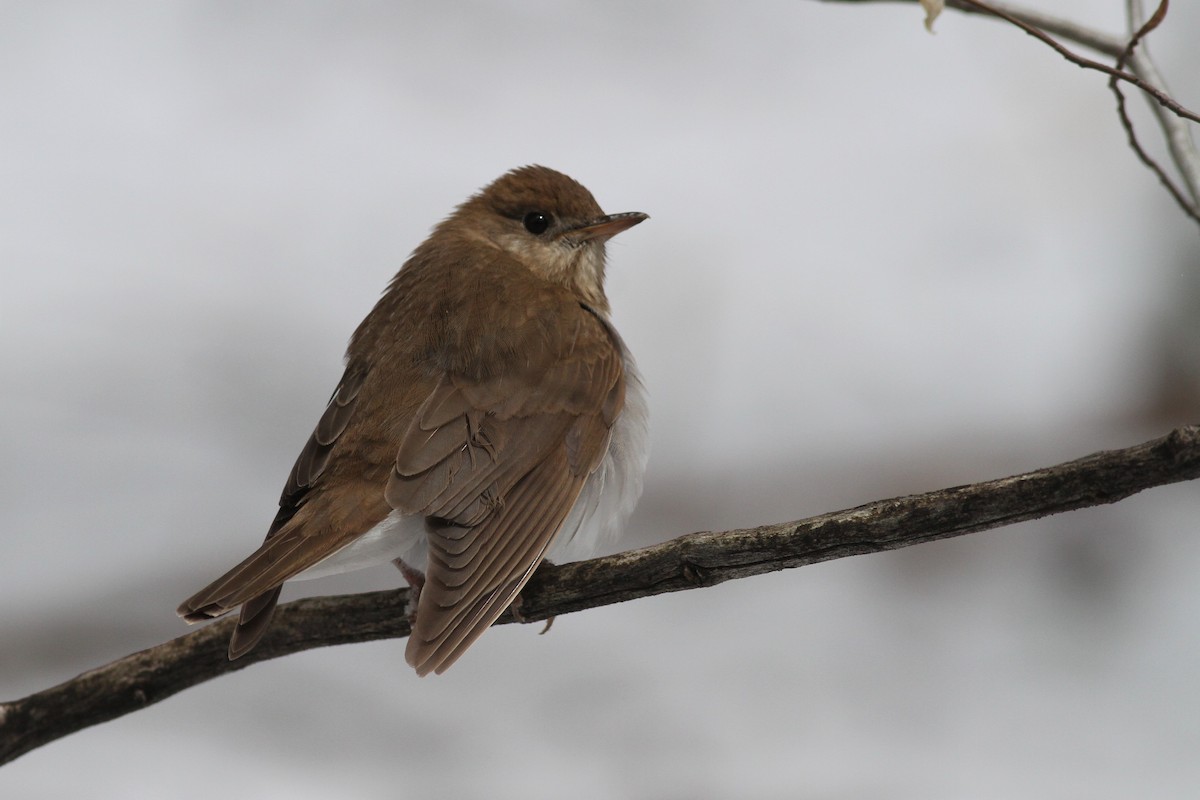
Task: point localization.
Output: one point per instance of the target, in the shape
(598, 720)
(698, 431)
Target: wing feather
(465, 595)
(497, 477)
(314, 456)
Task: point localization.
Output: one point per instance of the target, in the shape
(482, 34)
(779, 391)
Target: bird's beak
(607, 227)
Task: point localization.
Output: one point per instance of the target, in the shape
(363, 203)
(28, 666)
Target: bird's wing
(496, 465)
(291, 545)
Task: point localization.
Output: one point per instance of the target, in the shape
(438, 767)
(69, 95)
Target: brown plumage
(480, 396)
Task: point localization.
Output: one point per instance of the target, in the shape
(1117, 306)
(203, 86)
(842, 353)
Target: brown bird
(489, 416)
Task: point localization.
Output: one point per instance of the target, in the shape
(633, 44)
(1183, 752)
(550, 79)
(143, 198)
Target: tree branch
(1172, 117)
(688, 562)
(1065, 29)
(1176, 130)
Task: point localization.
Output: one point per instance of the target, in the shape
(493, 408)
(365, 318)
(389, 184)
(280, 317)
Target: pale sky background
(878, 262)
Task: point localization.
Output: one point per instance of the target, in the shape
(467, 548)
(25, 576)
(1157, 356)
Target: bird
(489, 418)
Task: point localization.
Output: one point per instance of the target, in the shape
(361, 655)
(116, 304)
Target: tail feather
(253, 623)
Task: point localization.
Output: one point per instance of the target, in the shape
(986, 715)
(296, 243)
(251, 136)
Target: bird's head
(549, 223)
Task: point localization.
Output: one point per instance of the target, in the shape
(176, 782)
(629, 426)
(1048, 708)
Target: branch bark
(688, 562)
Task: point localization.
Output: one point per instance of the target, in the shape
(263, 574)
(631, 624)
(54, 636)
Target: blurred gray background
(879, 262)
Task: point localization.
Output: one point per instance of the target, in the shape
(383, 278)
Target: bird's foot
(515, 609)
(416, 582)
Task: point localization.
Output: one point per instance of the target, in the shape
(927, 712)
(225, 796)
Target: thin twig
(1057, 26)
(1127, 123)
(1087, 63)
(688, 562)
(1171, 116)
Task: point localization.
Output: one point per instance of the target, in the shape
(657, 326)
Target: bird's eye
(536, 222)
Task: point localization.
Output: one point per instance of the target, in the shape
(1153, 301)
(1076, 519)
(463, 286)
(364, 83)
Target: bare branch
(1171, 116)
(1139, 33)
(688, 562)
(1065, 29)
(1177, 132)
(1087, 63)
